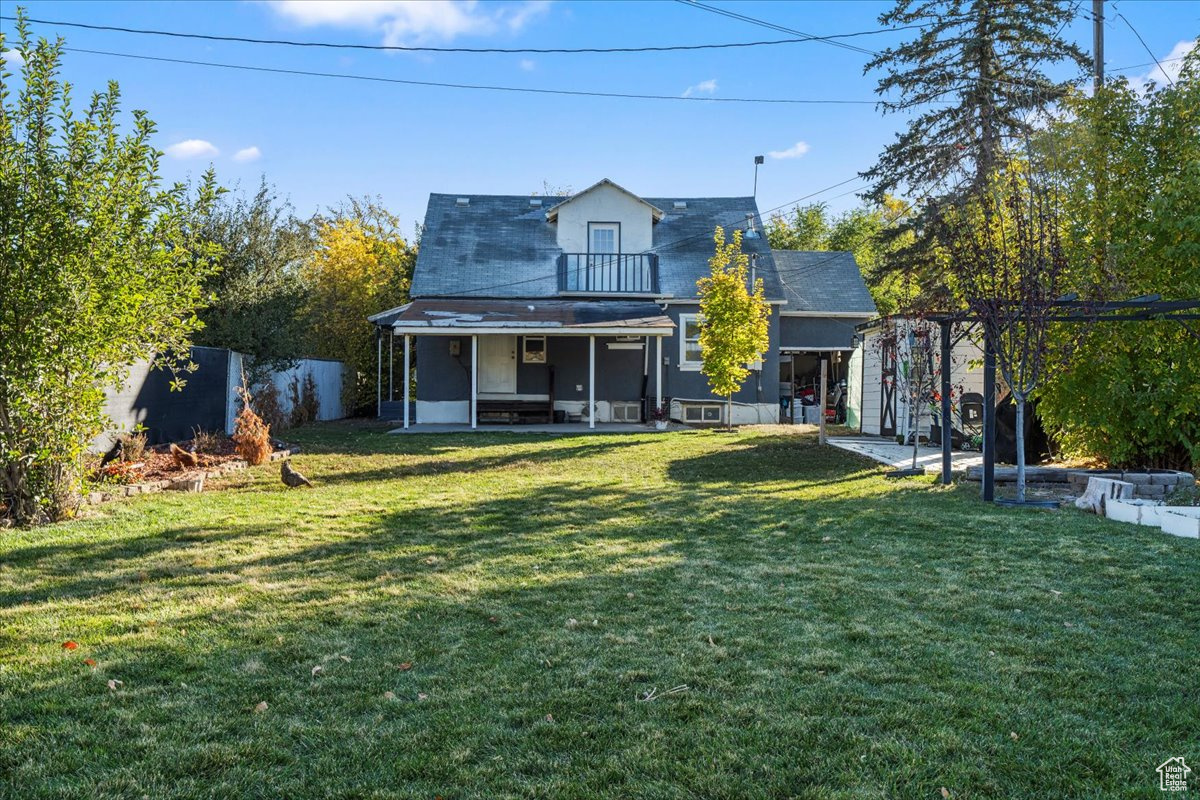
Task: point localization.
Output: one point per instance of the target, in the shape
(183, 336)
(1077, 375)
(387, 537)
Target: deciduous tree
(100, 266)
(734, 319)
(362, 265)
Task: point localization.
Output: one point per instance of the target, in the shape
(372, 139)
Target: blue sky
(320, 139)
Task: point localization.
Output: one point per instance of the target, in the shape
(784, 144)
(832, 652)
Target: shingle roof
(822, 281)
(501, 246)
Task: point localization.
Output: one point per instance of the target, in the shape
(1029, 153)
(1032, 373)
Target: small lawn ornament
(291, 478)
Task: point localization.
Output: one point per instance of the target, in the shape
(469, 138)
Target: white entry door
(498, 364)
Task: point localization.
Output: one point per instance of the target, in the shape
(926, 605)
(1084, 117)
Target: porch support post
(989, 418)
(947, 422)
(391, 366)
(378, 373)
(591, 381)
(658, 371)
(821, 438)
(474, 380)
(407, 359)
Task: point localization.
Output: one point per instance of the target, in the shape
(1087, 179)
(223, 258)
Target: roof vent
(681, 205)
(536, 202)
(463, 201)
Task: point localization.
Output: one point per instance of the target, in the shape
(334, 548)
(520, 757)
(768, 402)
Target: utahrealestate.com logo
(1172, 775)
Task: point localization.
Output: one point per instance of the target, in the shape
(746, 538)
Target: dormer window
(604, 238)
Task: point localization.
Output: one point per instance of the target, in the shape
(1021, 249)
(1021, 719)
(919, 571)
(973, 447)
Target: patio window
(689, 341)
(533, 351)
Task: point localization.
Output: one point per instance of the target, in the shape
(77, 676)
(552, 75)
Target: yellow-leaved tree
(734, 324)
(362, 265)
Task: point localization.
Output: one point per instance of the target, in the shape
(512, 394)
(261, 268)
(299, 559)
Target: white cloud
(703, 87)
(1172, 64)
(13, 58)
(192, 148)
(403, 21)
(247, 154)
(528, 65)
(795, 151)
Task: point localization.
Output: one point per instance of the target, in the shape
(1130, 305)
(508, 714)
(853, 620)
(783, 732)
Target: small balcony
(608, 273)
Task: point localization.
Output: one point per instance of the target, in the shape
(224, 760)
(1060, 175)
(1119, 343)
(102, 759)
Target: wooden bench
(515, 412)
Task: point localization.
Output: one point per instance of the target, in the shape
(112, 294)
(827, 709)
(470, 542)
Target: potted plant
(660, 417)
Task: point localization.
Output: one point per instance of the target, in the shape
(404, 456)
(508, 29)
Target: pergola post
(989, 418)
(407, 358)
(947, 424)
(378, 373)
(591, 381)
(474, 380)
(658, 381)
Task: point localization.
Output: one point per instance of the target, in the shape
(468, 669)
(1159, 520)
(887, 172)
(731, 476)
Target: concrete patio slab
(899, 456)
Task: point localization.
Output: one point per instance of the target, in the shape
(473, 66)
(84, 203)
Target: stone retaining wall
(1148, 484)
(152, 487)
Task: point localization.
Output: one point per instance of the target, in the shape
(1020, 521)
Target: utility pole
(757, 160)
(1098, 43)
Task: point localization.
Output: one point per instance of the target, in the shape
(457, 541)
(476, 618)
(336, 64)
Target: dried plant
(132, 445)
(251, 435)
(306, 405)
(207, 441)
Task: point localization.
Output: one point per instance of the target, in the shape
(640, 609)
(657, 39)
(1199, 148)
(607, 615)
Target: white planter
(1181, 521)
(1130, 511)
(660, 425)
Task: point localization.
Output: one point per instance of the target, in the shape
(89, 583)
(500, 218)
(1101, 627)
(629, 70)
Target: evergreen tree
(976, 69)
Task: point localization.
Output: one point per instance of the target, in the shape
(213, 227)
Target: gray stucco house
(584, 308)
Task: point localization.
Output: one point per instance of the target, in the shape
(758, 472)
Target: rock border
(100, 497)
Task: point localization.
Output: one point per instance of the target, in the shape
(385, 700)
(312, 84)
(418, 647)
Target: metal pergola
(1068, 310)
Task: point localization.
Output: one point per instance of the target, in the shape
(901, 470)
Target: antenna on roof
(757, 160)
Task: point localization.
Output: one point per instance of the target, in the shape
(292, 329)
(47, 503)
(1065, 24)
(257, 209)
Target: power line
(1148, 50)
(476, 50)
(475, 86)
(772, 26)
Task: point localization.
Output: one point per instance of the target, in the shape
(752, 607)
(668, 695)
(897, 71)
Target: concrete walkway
(560, 429)
(899, 456)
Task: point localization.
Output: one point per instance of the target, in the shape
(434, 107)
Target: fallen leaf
(1013, 735)
(710, 641)
(405, 667)
(549, 718)
(389, 695)
(945, 792)
(1068, 625)
(114, 684)
(572, 623)
(422, 696)
(261, 707)
(493, 619)
(70, 644)
(91, 662)
(826, 538)
(1055, 592)
(345, 658)
(318, 668)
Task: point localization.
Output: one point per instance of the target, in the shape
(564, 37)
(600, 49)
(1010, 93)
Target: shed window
(604, 238)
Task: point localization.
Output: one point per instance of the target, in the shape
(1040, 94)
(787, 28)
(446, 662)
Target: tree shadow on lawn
(770, 459)
(801, 648)
(442, 462)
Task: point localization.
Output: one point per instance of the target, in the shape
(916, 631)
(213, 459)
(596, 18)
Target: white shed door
(498, 364)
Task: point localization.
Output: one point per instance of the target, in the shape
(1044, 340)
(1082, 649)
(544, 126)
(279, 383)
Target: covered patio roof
(468, 316)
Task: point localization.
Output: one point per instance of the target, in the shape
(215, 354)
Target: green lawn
(840, 636)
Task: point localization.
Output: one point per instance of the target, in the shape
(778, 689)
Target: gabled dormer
(605, 233)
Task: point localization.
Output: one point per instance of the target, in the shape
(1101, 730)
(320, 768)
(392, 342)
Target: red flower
(70, 644)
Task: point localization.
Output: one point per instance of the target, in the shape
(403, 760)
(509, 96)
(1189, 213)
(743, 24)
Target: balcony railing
(608, 273)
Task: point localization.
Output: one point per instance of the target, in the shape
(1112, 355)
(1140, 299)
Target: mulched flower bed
(158, 470)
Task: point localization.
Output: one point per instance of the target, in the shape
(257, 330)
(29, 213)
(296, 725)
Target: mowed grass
(839, 635)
